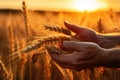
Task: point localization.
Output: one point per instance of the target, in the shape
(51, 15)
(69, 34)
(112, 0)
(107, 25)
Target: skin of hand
(89, 35)
(82, 33)
(84, 55)
(87, 54)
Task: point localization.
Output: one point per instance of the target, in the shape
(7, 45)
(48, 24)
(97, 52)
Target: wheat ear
(40, 43)
(50, 49)
(25, 14)
(45, 41)
(58, 29)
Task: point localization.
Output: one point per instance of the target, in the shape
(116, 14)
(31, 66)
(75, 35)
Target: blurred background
(62, 5)
(18, 18)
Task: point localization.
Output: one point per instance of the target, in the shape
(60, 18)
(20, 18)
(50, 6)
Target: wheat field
(16, 61)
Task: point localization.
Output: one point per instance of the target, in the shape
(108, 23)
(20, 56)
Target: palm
(84, 55)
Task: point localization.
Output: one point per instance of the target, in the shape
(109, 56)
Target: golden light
(89, 5)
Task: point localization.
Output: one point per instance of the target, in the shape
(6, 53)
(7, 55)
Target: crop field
(20, 61)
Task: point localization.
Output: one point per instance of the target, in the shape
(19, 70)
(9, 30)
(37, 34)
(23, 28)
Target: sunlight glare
(89, 5)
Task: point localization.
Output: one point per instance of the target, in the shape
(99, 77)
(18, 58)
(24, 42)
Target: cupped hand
(84, 55)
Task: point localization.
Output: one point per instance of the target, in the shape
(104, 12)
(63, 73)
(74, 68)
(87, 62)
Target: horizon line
(45, 10)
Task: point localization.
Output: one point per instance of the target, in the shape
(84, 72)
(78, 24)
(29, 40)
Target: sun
(88, 5)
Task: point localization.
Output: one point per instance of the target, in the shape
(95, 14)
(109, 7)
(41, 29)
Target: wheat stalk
(3, 71)
(26, 28)
(100, 26)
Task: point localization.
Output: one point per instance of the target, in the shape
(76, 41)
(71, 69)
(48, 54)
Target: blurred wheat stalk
(4, 74)
(25, 14)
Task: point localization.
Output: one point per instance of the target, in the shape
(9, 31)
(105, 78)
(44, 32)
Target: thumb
(82, 33)
(73, 28)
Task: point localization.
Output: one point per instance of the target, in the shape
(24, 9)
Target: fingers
(77, 46)
(71, 45)
(72, 27)
(76, 60)
(60, 58)
(64, 60)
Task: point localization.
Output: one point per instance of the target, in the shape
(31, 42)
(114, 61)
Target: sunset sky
(62, 4)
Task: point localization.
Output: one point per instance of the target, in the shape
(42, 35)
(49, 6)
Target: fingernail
(66, 22)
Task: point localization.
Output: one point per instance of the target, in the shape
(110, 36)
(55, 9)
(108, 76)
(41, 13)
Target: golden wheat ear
(48, 41)
(25, 14)
(41, 43)
(45, 41)
(38, 44)
(50, 49)
(58, 29)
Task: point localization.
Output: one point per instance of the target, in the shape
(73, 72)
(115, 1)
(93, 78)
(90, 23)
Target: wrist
(106, 57)
(104, 42)
(108, 41)
(111, 57)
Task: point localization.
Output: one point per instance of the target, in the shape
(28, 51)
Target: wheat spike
(40, 43)
(26, 28)
(25, 14)
(58, 29)
(45, 41)
(51, 49)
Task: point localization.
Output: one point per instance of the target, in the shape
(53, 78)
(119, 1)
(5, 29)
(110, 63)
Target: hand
(82, 33)
(84, 55)
(88, 35)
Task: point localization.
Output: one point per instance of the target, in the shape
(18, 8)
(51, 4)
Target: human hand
(89, 35)
(84, 55)
(82, 33)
